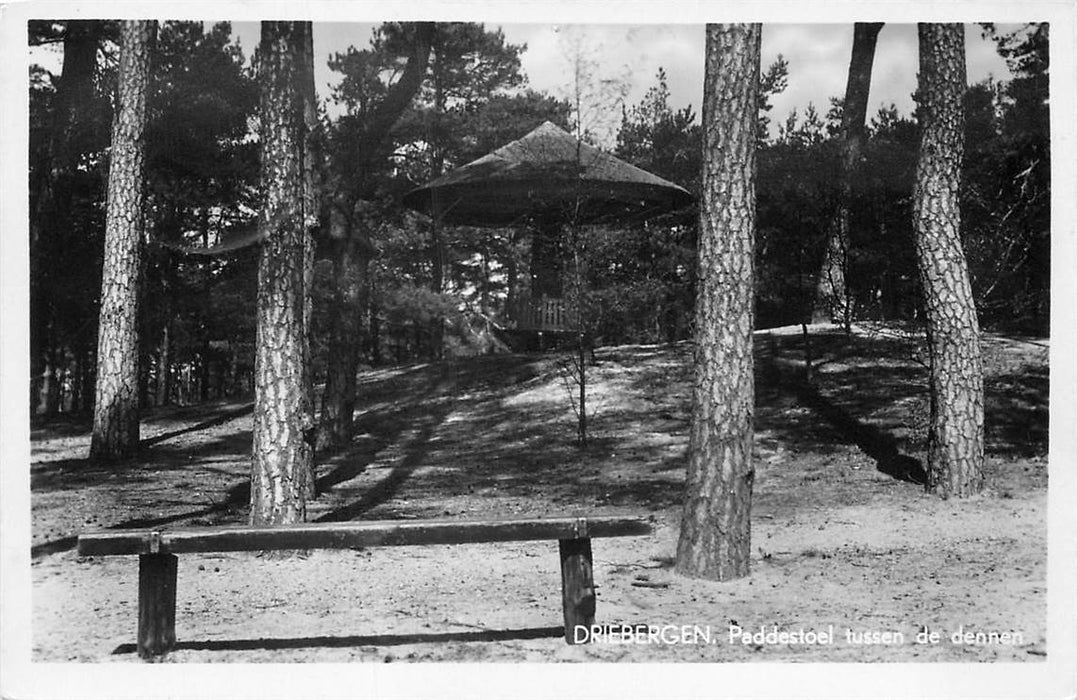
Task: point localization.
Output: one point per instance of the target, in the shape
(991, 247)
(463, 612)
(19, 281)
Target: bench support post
(156, 604)
(577, 585)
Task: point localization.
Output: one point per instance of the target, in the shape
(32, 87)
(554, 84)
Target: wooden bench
(157, 550)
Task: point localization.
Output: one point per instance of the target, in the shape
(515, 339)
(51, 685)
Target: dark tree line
(642, 279)
(1005, 180)
(196, 313)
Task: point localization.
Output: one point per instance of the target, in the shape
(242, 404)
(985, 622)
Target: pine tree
(116, 415)
(832, 298)
(715, 528)
(282, 475)
(955, 436)
(350, 239)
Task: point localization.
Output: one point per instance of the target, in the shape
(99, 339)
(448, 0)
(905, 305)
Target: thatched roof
(547, 173)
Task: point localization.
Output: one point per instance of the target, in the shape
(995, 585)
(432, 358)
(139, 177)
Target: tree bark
(352, 252)
(164, 365)
(955, 436)
(715, 528)
(311, 213)
(282, 464)
(115, 424)
(350, 271)
(831, 296)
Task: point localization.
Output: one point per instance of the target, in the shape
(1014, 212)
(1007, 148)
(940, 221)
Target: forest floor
(843, 537)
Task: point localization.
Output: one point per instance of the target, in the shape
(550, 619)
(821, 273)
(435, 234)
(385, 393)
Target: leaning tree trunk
(715, 528)
(282, 465)
(955, 436)
(115, 422)
(352, 251)
(832, 295)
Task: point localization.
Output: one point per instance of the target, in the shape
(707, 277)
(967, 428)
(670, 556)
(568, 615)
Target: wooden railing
(544, 314)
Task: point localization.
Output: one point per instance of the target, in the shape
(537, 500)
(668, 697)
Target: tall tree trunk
(832, 294)
(115, 424)
(164, 365)
(438, 253)
(352, 252)
(50, 373)
(715, 528)
(204, 369)
(955, 436)
(89, 378)
(282, 464)
(350, 270)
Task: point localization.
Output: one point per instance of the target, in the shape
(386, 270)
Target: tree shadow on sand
(423, 410)
(873, 442)
(184, 464)
(235, 502)
(864, 389)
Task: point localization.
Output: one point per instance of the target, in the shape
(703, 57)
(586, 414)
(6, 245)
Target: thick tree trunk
(832, 296)
(715, 528)
(115, 424)
(282, 464)
(955, 436)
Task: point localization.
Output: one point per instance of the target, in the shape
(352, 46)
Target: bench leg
(156, 604)
(577, 585)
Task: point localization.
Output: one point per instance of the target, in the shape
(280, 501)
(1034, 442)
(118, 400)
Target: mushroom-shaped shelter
(547, 174)
(545, 180)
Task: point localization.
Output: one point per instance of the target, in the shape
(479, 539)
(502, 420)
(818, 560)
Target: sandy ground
(844, 540)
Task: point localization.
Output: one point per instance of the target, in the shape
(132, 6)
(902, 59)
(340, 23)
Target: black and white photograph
(538, 350)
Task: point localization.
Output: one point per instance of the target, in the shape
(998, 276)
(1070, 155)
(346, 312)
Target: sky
(818, 56)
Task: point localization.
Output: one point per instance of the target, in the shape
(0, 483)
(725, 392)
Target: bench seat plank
(345, 535)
